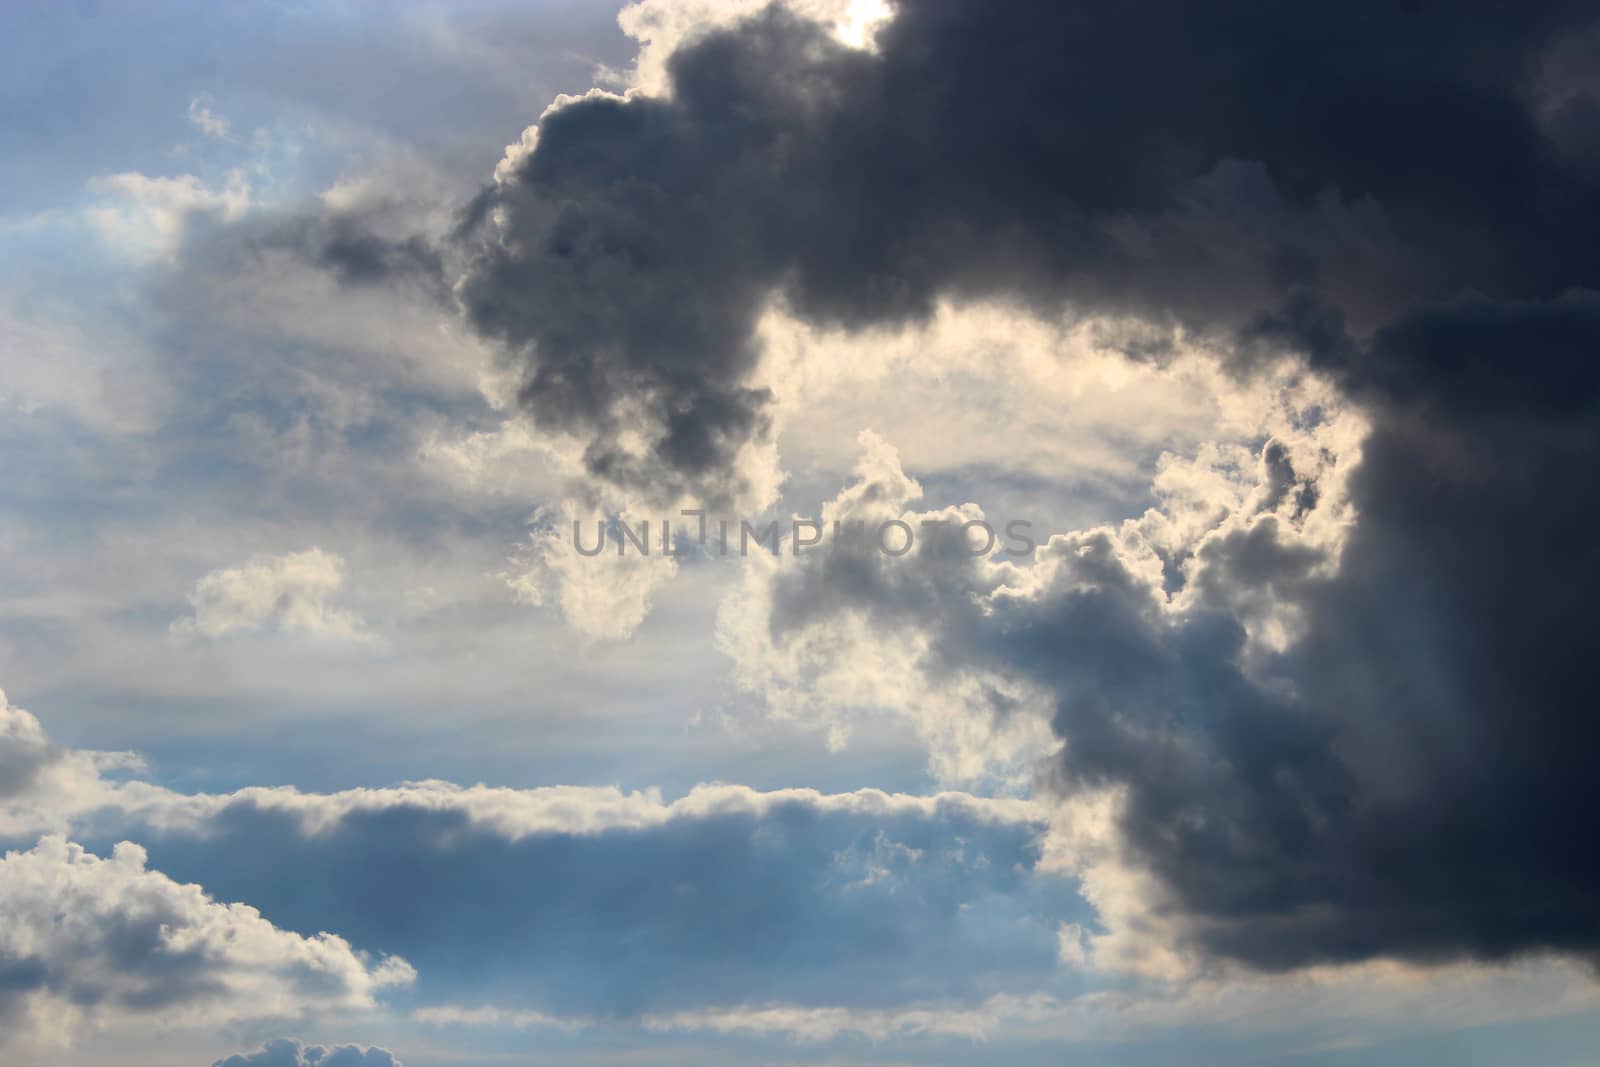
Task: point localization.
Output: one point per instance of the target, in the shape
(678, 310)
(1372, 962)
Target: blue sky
(321, 744)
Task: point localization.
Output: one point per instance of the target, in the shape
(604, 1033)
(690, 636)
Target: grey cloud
(1378, 189)
(623, 262)
(346, 244)
(25, 750)
(286, 1052)
(1408, 778)
(864, 899)
(626, 258)
(1405, 778)
(97, 940)
(377, 238)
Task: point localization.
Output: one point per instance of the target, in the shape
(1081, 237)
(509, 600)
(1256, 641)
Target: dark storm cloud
(1405, 195)
(1409, 779)
(1448, 658)
(1412, 778)
(1192, 163)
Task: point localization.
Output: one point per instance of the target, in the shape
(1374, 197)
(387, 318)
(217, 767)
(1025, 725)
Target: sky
(1094, 557)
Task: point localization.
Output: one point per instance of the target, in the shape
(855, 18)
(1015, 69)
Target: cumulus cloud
(43, 785)
(290, 592)
(662, 27)
(1000, 398)
(628, 247)
(29, 757)
(287, 1052)
(847, 629)
(568, 810)
(1327, 702)
(109, 943)
(24, 750)
(596, 901)
(796, 640)
(245, 836)
(606, 597)
(1199, 665)
(1301, 727)
(1155, 649)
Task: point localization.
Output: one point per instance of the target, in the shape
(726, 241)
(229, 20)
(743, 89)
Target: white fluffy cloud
(42, 784)
(992, 389)
(603, 596)
(662, 26)
(820, 661)
(287, 592)
(108, 943)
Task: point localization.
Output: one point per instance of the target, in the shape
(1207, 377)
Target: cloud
(87, 799)
(43, 784)
(1223, 671)
(599, 902)
(346, 240)
(796, 641)
(592, 902)
(457, 1015)
(286, 1052)
(24, 750)
(662, 27)
(207, 121)
(1386, 999)
(146, 217)
(65, 369)
(288, 592)
(1006, 401)
(823, 1024)
(110, 943)
(626, 251)
(603, 598)
(1326, 702)
(673, 902)
(862, 874)
(845, 631)
(1317, 731)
